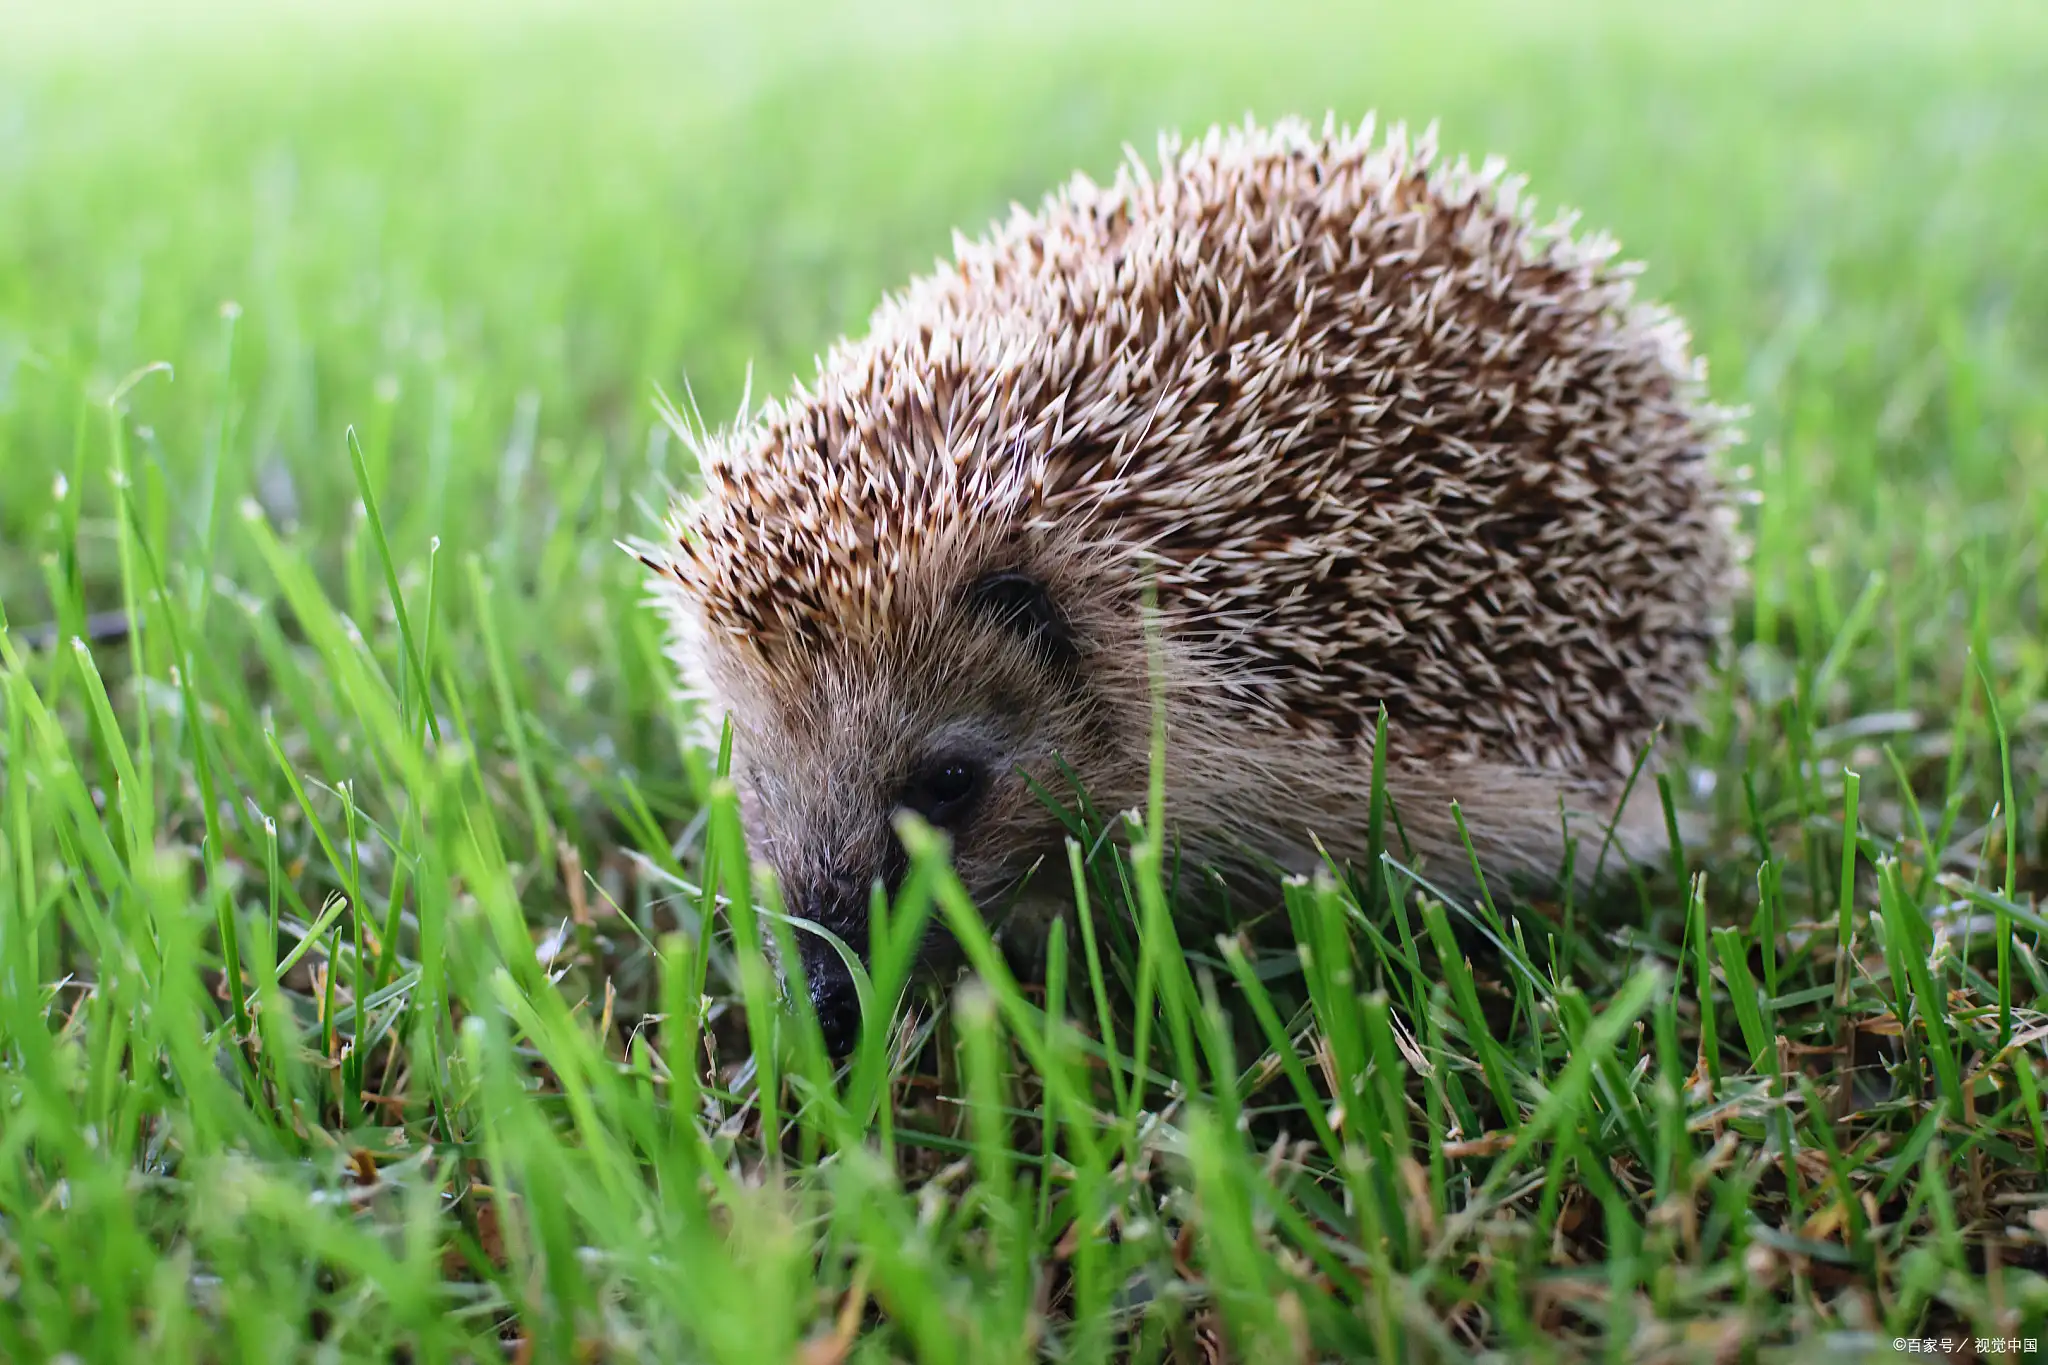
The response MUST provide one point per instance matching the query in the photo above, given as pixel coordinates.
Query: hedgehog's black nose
(835, 1002)
(836, 902)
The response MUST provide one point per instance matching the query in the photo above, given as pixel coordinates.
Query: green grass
(503, 1071)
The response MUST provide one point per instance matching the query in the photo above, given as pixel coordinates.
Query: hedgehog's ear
(1023, 605)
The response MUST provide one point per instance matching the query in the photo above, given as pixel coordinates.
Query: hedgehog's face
(965, 718)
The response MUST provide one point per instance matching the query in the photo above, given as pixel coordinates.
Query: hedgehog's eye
(944, 791)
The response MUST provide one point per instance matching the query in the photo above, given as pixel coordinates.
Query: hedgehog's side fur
(1371, 434)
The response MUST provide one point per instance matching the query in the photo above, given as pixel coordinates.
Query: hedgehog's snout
(833, 1000)
(838, 904)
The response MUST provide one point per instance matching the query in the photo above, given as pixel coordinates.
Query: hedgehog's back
(1378, 436)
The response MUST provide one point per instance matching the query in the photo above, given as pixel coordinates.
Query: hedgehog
(1282, 434)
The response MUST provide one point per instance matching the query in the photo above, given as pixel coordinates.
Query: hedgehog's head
(950, 684)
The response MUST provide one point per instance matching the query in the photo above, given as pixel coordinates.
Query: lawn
(379, 975)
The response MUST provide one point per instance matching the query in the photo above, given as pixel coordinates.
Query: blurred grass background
(578, 203)
(485, 236)
(476, 228)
